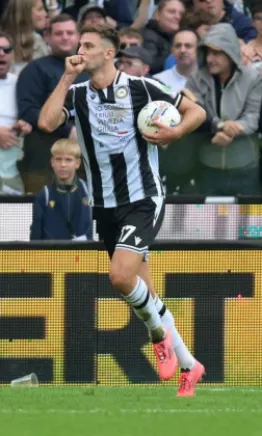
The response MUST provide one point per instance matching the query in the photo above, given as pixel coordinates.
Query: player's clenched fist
(75, 65)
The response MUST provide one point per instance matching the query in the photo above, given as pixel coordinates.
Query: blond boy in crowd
(61, 208)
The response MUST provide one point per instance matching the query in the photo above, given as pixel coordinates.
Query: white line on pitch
(128, 411)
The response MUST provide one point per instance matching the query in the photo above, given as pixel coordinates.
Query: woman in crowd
(25, 21)
(159, 31)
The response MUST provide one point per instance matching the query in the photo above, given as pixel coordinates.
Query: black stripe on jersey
(110, 95)
(139, 99)
(118, 78)
(82, 111)
(68, 105)
(156, 93)
(119, 170)
(110, 98)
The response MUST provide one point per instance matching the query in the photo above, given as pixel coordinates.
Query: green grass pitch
(129, 411)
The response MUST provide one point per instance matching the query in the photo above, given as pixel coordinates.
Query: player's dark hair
(105, 32)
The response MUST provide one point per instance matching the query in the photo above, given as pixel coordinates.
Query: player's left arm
(192, 115)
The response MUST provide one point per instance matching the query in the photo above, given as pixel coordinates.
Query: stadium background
(61, 319)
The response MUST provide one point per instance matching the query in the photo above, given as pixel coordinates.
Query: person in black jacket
(35, 83)
(61, 208)
(158, 33)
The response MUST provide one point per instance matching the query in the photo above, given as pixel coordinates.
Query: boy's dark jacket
(61, 212)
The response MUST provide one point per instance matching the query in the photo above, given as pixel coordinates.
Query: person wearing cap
(134, 61)
(92, 16)
(120, 13)
(231, 95)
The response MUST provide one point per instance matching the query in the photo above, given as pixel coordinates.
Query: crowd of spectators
(210, 50)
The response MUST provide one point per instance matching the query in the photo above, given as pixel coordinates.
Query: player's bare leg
(124, 276)
(191, 370)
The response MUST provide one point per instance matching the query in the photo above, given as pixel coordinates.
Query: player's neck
(103, 78)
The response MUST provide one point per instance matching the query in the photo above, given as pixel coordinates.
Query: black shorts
(132, 226)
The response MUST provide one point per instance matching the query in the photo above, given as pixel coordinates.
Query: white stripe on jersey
(121, 167)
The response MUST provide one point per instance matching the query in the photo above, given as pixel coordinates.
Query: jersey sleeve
(68, 108)
(158, 91)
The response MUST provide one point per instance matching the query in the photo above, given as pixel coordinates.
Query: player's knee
(118, 277)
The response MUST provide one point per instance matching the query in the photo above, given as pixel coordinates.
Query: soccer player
(122, 173)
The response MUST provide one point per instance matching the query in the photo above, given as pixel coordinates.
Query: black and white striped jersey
(121, 166)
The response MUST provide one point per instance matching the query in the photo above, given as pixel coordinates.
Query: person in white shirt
(11, 129)
(184, 49)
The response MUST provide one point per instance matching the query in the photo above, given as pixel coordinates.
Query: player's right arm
(52, 114)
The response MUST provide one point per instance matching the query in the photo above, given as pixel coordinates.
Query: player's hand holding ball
(74, 65)
(157, 123)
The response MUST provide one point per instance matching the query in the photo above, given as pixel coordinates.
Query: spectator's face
(257, 22)
(6, 57)
(218, 63)
(64, 38)
(128, 41)
(212, 7)
(132, 66)
(94, 18)
(65, 166)
(39, 15)
(95, 51)
(185, 48)
(170, 16)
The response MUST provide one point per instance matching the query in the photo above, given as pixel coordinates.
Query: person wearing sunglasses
(11, 129)
(129, 37)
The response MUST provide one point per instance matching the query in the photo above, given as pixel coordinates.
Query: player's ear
(109, 53)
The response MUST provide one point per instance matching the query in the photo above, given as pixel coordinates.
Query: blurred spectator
(53, 8)
(184, 49)
(92, 16)
(256, 44)
(3, 4)
(221, 11)
(129, 37)
(36, 82)
(120, 13)
(61, 209)
(159, 32)
(192, 20)
(10, 128)
(134, 61)
(21, 19)
(231, 95)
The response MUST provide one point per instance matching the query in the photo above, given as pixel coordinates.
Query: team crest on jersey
(85, 201)
(121, 92)
(51, 204)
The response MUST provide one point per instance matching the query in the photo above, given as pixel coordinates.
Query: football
(161, 111)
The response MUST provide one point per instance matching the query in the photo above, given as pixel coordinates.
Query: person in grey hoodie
(231, 95)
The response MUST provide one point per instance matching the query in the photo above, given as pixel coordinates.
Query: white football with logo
(161, 111)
